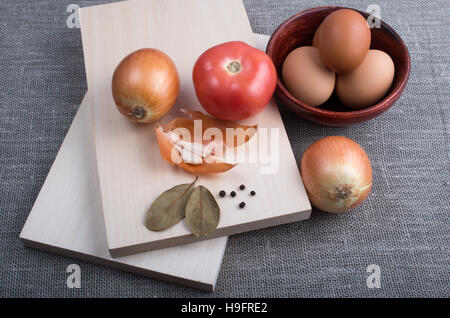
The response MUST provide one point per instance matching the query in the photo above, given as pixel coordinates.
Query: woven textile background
(404, 226)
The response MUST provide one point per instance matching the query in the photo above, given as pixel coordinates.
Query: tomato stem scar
(234, 67)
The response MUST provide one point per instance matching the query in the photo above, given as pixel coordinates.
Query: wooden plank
(132, 173)
(67, 219)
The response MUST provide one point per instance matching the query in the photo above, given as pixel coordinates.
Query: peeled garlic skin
(337, 174)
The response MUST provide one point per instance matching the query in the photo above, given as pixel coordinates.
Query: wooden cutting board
(67, 218)
(131, 170)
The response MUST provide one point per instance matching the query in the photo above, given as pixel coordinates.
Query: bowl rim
(380, 106)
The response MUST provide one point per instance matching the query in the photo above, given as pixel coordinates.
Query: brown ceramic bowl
(299, 30)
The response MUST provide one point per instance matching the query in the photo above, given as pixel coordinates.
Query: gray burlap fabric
(403, 226)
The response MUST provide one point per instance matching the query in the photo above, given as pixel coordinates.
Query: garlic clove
(206, 156)
(189, 156)
(166, 146)
(210, 148)
(193, 147)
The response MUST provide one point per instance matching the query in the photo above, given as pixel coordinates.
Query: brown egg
(306, 76)
(315, 41)
(366, 85)
(344, 40)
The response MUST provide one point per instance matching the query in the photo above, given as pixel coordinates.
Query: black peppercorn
(252, 193)
(233, 194)
(242, 187)
(222, 193)
(241, 205)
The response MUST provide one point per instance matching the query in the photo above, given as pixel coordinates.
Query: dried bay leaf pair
(197, 204)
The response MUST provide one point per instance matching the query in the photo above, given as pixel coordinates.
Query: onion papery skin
(145, 85)
(337, 174)
(172, 145)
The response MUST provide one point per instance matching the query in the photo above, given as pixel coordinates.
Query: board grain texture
(67, 219)
(131, 171)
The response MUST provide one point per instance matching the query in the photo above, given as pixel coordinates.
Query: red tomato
(234, 81)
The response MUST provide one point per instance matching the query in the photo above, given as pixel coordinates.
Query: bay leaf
(169, 208)
(202, 212)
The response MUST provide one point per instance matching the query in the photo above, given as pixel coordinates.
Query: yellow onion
(145, 85)
(337, 174)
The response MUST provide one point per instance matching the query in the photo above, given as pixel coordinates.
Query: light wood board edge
(120, 266)
(220, 232)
